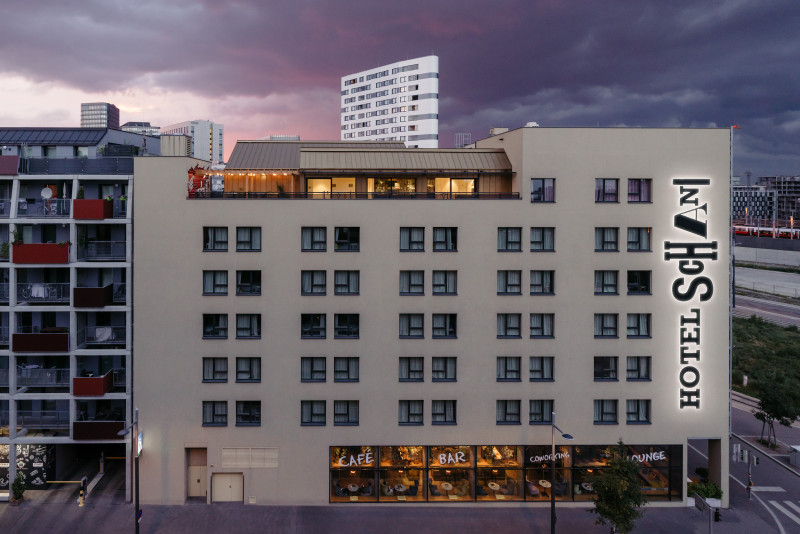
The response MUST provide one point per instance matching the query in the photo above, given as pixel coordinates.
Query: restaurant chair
(509, 488)
(434, 489)
(412, 490)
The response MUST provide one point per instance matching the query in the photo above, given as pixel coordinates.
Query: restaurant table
(546, 485)
(586, 486)
(446, 486)
(353, 488)
(494, 486)
(400, 488)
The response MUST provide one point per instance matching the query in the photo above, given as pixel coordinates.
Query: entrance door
(227, 487)
(197, 481)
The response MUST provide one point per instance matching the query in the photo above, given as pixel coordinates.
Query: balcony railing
(3, 336)
(41, 253)
(103, 251)
(50, 339)
(3, 377)
(92, 297)
(43, 419)
(4, 292)
(120, 293)
(101, 335)
(92, 209)
(91, 430)
(5, 208)
(36, 376)
(48, 292)
(122, 165)
(48, 208)
(119, 379)
(92, 386)
(120, 208)
(361, 196)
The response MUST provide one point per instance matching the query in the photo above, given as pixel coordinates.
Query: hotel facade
(347, 323)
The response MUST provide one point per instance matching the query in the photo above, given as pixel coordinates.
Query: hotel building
(346, 323)
(395, 102)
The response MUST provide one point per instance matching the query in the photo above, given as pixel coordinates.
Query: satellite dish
(47, 193)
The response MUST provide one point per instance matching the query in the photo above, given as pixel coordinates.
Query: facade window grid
(443, 369)
(445, 282)
(215, 413)
(345, 369)
(605, 325)
(543, 239)
(215, 369)
(248, 413)
(345, 412)
(312, 369)
(346, 282)
(412, 239)
(248, 369)
(637, 411)
(410, 412)
(412, 282)
(606, 190)
(639, 239)
(412, 369)
(313, 283)
(248, 282)
(312, 413)
(248, 238)
(541, 412)
(640, 190)
(215, 282)
(508, 412)
(443, 412)
(638, 325)
(605, 282)
(444, 325)
(541, 368)
(508, 368)
(509, 239)
(606, 239)
(543, 190)
(605, 368)
(542, 325)
(605, 411)
(638, 368)
(509, 282)
(509, 325)
(542, 282)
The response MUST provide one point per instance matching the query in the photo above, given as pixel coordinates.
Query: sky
(274, 67)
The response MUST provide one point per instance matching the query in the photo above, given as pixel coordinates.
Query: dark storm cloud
(502, 63)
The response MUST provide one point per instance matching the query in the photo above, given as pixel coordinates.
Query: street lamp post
(134, 451)
(553, 429)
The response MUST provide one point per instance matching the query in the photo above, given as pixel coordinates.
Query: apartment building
(394, 102)
(208, 142)
(65, 309)
(99, 115)
(340, 324)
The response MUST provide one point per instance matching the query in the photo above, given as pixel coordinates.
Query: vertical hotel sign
(691, 253)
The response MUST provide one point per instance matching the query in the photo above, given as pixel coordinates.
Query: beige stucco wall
(169, 304)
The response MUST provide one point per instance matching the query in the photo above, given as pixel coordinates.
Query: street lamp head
(124, 432)
(567, 437)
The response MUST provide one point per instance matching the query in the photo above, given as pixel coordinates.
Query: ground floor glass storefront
(492, 472)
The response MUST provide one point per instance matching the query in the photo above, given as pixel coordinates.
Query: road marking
(793, 506)
(767, 488)
(789, 514)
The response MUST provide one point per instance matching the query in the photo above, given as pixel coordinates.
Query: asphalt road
(770, 310)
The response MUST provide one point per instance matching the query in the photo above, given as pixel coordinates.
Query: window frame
(223, 414)
(506, 330)
(636, 190)
(254, 331)
(308, 279)
(350, 412)
(508, 412)
(606, 369)
(543, 369)
(544, 410)
(212, 378)
(349, 327)
(644, 322)
(640, 287)
(255, 286)
(504, 284)
(248, 410)
(253, 371)
(450, 328)
(607, 416)
(347, 238)
(252, 242)
(641, 375)
(213, 242)
(544, 333)
(602, 241)
(310, 416)
(602, 286)
(410, 329)
(545, 232)
(447, 371)
(606, 327)
(410, 275)
(217, 288)
(602, 191)
(635, 415)
(344, 288)
(415, 369)
(219, 327)
(413, 244)
(350, 370)
(313, 369)
(544, 283)
(506, 371)
(320, 327)
(413, 414)
(539, 190)
(316, 243)
(448, 242)
(439, 416)
(505, 241)
(443, 287)
(634, 242)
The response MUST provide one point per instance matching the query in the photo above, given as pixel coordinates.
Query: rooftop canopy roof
(285, 155)
(404, 159)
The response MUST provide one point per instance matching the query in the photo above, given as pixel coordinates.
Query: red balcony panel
(93, 297)
(40, 253)
(41, 342)
(91, 430)
(92, 386)
(93, 209)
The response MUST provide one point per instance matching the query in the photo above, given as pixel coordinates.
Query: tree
(618, 495)
(778, 403)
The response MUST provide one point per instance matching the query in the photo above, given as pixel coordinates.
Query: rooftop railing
(121, 165)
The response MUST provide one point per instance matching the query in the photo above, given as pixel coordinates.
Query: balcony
(5, 208)
(4, 293)
(96, 430)
(4, 377)
(122, 165)
(59, 208)
(44, 253)
(120, 208)
(99, 419)
(4, 419)
(43, 293)
(4, 337)
(93, 386)
(101, 336)
(93, 297)
(93, 209)
(47, 420)
(102, 251)
(49, 339)
(120, 293)
(32, 375)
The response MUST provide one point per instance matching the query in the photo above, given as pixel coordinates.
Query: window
(543, 239)
(444, 282)
(248, 325)
(508, 368)
(412, 239)
(443, 369)
(605, 239)
(444, 325)
(409, 412)
(639, 189)
(412, 369)
(215, 413)
(445, 239)
(248, 369)
(509, 325)
(312, 413)
(347, 238)
(638, 411)
(313, 239)
(412, 282)
(638, 368)
(215, 369)
(345, 325)
(543, 190)
(638, 325)
(312, 325)
(248, 238)
(248, 282)
(313, 283)
(605, 325)
(215, 282)
(312, 369)
(509, 282)
(345, 412)
(541, 412)
(605, 412)
(507, 412)
(443, 412)
(541, 368)
(638, 239)
(542, 325)
(605, 190)
(345, 369)
(215, 325)
(215, 238)
(605, 368)
(411, 325)
(542, 282)
(638, 282)
(345, 282)
(605, 282)
(509, 239)
(248, 413)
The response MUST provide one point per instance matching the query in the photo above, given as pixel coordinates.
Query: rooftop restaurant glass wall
(492, 472)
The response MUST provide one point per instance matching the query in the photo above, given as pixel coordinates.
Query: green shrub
(18, 487)
(707, 490)
(738, 377)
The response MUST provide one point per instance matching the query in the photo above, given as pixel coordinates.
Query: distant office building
(280, 137)
(462, 139)
(207, 138)
(99, 115)
(753, 203)
(176, 145)
(143, 128)
(787, 190)
(394, 102)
